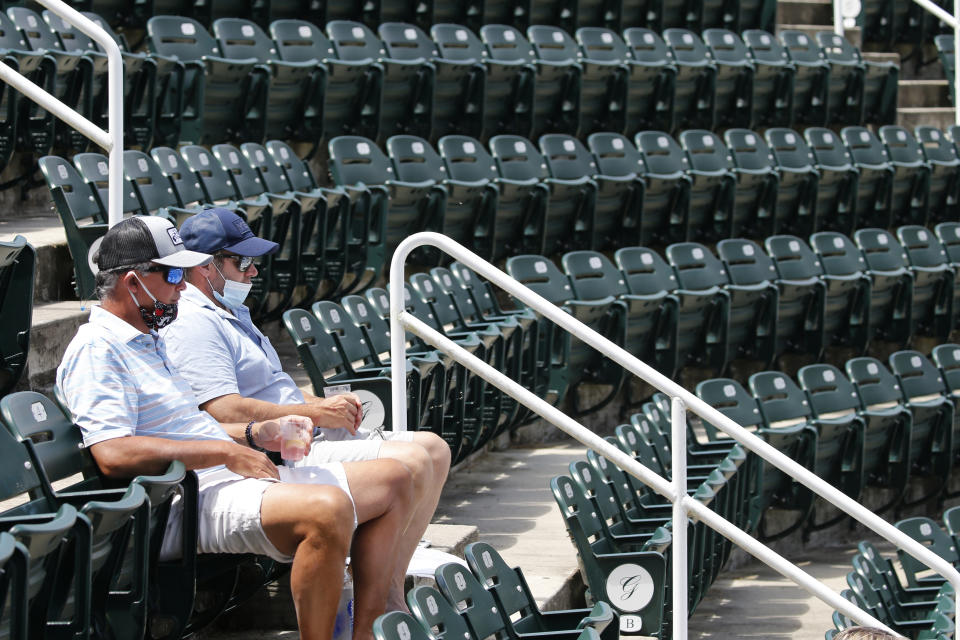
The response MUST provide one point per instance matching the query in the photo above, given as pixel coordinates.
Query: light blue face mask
(234, 293)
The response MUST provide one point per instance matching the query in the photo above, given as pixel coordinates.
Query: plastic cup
(292, 445)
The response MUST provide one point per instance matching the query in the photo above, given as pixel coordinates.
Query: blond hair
(863, 633)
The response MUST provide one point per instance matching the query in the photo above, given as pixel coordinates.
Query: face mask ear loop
(144, 288)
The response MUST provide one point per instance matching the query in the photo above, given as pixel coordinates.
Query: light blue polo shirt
(219, 353)
(120, 382)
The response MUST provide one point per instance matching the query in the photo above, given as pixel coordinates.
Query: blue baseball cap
(219, 229)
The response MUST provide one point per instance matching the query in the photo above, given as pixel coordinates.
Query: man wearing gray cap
(137, 415)
(236, 373)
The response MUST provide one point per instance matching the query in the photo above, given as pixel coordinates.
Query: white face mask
(234, 293)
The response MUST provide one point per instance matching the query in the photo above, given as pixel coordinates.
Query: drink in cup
(292, 444)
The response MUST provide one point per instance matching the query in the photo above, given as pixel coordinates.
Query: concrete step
(54, 325)
(923, 93)
(881, 56)
(910, 117)
(44, 231)
(804, 12)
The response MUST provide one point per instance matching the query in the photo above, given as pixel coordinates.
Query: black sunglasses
(243, 262)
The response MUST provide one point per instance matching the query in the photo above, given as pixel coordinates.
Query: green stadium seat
(568, 215)
(910, 198)
(186, 184)
(884, 566)
(947, 358)
(73, 84)
(884, 432)
(18, 265)
(896, 602)
(26, 126)
(875, 181)
(667, 198)
(605, 80)
(751, 308)
(929, 533)
(838, 188)
(773, 79)
(798, 187)
(846, 98)
(695, 98)
(14, 561)
(406, 93)
(758, 182)
(651, 87)
(399, 625)
(802, 304)
(619, 166)
(154, 189)
(934, 282)
(434, 611)
(94, 169)
(457, 84)
(735, 78)
(294, 102)
(847, 305)
(712, 184)
(891, 295)
(811, 80)
(351, 88)
(512, 217)
(553, 47)
(941, 156)
(223, 100)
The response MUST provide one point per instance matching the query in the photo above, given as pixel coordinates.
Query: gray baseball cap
(143, 239)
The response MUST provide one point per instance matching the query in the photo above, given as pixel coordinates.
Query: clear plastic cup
(292, 445)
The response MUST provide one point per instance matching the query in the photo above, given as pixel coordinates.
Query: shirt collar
(116, 325)
(196, 296)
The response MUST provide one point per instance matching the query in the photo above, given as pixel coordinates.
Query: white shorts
(229, 506)
(331, 446)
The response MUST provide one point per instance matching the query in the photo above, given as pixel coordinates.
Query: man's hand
(343, 411)
(249, 463)
(269, 433)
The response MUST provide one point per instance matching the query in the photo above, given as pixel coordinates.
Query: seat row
(567, 14)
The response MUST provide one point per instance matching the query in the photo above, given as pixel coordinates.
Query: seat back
(517, 158)
(181, 38)
(592, 275)
(749, 150)
(782, 402)
(696, 267)
(474, 602)
(153, 187)
(746, 262)
(922, 246)
(793, 258)
(837, 253)
(272, 175)
(878, 388)
(398, 625)
(435, 612)
(645, 271)
(602, 45)
(355, 160)
(458, 43)
(354, 41)
(506, 43)
(947, 359)
(553, 44)
(239, 38)
(467, 159)
(731, 399)
(687, 47)
(244, 176)
(831, 393)
(764, 48)
(415, 159)
(300, 41)
(881, 250)
(789, 149)
(865, 148)
(726, 47)
(919, 378)
(347, 334)
(216, 181)
(661, 153)
(828, 148)
(542, 276)
(404, 41)
(566, 157)
(504, 582)
(94, 168)
(706, 151)
(615, 155)
(647, 47)
(901, 146)
(18, 265)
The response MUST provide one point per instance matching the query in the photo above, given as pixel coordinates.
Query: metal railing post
(678, 467)
(838, 17)
(398, 341)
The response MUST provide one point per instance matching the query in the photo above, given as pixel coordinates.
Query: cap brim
(253, 247)
(184, 259)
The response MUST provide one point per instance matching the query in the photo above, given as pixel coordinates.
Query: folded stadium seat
(847, 72)
(797, 441)
(186, 184)
(222, 96)
(13, 563)
(947, 358)
(847, 305)
(573, 362)
(651, 87)
(95, 170)
(948, 233)
(25, 125)
(773, 78)
(139, 79)
(294, 103)
(758, 182)
(514, 207)
(651, 330)
(911, 176)
(447, 408)
(666, 202)
(735, 78)
(556, 82)
(602, 90)
(875, 181)
(934, 282)
(891, 294)
(468, 208)
(154, 189)
(568, 218)
(811, 87)
(457, 84)
(799, 179)
(394, 625)
(905, 602)
(351, 88)
(919, 387)
(883, 433)
(432, 610)
(695, 96)
(802, 304)
(406, 95)
(74, 81)
(616, 207)
(18, 266)
(839, 438)
(751, 308)
(701, 316)
(404, 207)
(506, 89)
(931, 535)
(885, 567)
(837, 190)
(712, 185)
(83, 218)
(615, 158)
(941, 156)
(200, 166)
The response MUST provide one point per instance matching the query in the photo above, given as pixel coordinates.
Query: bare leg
(382, 493)
(314, 524)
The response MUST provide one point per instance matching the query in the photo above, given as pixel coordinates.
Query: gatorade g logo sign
(174, 236)
(629, 587)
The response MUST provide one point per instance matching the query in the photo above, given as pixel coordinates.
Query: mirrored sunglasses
(243, 262)
(173, 275)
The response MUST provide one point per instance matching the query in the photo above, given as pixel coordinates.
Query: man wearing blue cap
(236, 374)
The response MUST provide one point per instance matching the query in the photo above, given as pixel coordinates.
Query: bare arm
(338, 412)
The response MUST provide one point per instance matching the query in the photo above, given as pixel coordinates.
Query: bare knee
(438, 451)
(400, 483)
(328, 518)
(416, 459)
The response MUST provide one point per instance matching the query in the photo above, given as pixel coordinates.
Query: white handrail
(111, 141)
(401, 321)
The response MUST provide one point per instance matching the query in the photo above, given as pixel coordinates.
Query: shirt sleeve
(100, 392)
(203, 355)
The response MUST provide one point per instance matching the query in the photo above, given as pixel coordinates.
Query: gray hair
(863, 633)
(106, 281)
